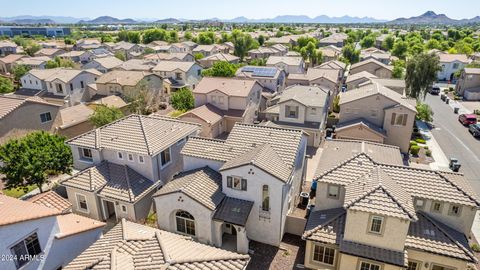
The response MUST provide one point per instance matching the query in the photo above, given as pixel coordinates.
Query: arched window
(185, 222)
(265, 199)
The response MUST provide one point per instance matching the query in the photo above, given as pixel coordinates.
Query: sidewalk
(441, 160)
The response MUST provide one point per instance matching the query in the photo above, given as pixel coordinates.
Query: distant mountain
(431, 17)
(306, 19)
(27, 19)
(108, 20)
(168, 20)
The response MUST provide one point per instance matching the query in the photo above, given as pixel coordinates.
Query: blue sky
(201, 9)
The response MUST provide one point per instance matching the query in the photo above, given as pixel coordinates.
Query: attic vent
(323, 216)
(360, 162)
(429, 232)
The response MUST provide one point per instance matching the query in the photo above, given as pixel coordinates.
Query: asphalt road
(455, 140)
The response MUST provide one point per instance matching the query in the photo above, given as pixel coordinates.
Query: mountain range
(428, 17)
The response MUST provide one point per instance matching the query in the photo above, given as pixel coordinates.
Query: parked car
(467, 119)
(475, 130)
(435, 90)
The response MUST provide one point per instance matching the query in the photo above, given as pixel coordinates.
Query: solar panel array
(260, 71)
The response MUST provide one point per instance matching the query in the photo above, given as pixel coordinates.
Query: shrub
(425, 147)
(450, 89)
(428, 153)
(477, 112)
(420, 140)
(414, 149)
(476, 247)
(412, 143)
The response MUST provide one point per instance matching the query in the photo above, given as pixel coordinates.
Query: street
(455, 140)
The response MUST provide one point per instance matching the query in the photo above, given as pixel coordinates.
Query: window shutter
(404, 123)
(244, 184)
(229, 181)
(392, 122)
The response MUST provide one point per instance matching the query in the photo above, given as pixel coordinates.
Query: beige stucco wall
(322, 201)
(348, 262)
(466, 82)
(374, 69)
(399, 135)
(76, 130)
(424, 257)
(208, 130)
(93, 203)
(301, 112)
(311, 264)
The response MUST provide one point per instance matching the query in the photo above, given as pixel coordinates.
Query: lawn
(17, 193)
(175, 113)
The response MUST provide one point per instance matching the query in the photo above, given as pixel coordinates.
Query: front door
(109, 208)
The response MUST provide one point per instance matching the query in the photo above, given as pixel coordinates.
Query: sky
(227, 9)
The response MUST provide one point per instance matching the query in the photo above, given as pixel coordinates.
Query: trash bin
(454, 164)
(443, 97)
(456, 109)
(309, 209)
(304, 196)
(447, 100)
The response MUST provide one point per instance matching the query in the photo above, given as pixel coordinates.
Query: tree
(336, 104)
(188, 35)
(400, 49)
(258, 62)
(59, 62)
(106, 38)
(367, 41)
(309, 52)
(32, 49)
(182, 100)
(421, 73)
(198, 56)
(261, 40)
(154, 35)
(19, 70)
(221, 69)
(398, 69)
(424, 112)
(242, 43)
(120, 55)
(388, 42)
(6, 85)
(350, 55)
(104, 115)
(142, 99)
(29, 160)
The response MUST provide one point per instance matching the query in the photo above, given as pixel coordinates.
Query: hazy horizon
(204, 9)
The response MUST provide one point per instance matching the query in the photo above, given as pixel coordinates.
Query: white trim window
(237, 182)
(323, 255)
(24, 250)
(141, 159)
(165, 157)
(185, 222)
(413, 265)
(120, 155)
(130, 157)
(82, 202)
(333, 192)
(376, 224)
(86, 154)
(45, 117)
(399, 119)
(369, 266)
(123, 208)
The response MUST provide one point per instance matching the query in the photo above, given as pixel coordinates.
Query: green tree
(400, 49)
(421, 73)
(6, 85)
(258, 62)
(198, 56)
(388, 42)
(32, 49)
(367, 41)
(59, 62)
(29, 160)
(142, 99)
(350, 55)
(106, 38)
(182, 100)
(398, 69)
(19, 70)
(188, 35)
(105, 115)
(261, 40)
(154, 35)
(433, 44)
(221, 69)
(242, 43)
(120, 55)
(424, 112)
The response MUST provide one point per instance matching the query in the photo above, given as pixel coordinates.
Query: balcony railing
(263, 213)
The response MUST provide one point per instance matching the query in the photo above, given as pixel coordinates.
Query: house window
(24, 250)
(291, 111)
(86, 154)
(376, 224)
(313, 111)
(236, 182)
(436, 207)
(119, 155)
(185, 222)
(178, 76)
(59, 88)
(454, 210)
(214, 99)
(419, 203)
(369, 266)
(220, 100)
(455, 65)
(82, 202)
(123, 208)
(45, 117)
(333, 191)
(324, 255)
(141, 159)
(412, 266)
(399, 119)
(265, 198)
(130, 157)
(165, 157)
(71, 86)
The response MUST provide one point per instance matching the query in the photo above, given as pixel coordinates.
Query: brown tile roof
(112, 181)
(173, 65)
(123, 77)
(75, 114)
(333, 64)
(51, 199)
(221, 57)
(325, 226)
(148, 135)
(317, 73)
(360, 75)
(9, 103)
(108, 62)
(14, 211)
(11, 58)
(133, 246)
(48, 51)
(368, 61)
(207, 113)
(203, 185)
(288, 60)
(310, 96)
(71, 224)
(447, 58)
(229, 86)
(167, 56)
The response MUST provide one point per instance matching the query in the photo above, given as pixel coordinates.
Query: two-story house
(39, 235)
(207, 50)
(373, 67)
(326, 77)
(103, 64)
(372, 212)
(123, 163)
(301, 107)
(265, 52)
(82, 57)
(8, 62)
(238, 99)
(8, 47)
(451, 63)
(208, 61)
(37, 62)
(235, 190)
(468, 85)
(178, 57)
(376, 113)
(179, 73)
(130, 50)
(128, 83)
(290, 64)
(271, 78)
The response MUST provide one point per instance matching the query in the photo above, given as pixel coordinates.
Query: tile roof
(11, 58)
(368, 61)
(9, 103)
(203, 185)
(167, 56)
(333, 64)
(229, 86)
(315, 74)
(113, 181)
(51, 199)
(133, 246)
(221, 57)
(233, 211)
(140, 134)
(289, 60)
(446, 58)
(361, 122)
(71, 224)
(173, 65)
(14, 211)
(75, 114)
(137, 65)
(123, 77)
(62, 74)
(374, 253)
(108, 62)
(310, 96)
(325, 226)
(360, 75)
(207, 113)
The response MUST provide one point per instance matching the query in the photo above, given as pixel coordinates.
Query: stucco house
(235, 190)
(301, 107)
(207, 50)
(82, 57)
(37, 62)
(451, 63)
(123, 163)
(265, 52)
(130, 50)
(103, 64)
(330, 52)
(179, 74)
(8, 47)
(124, 83)
(7, 62)
(376, 113)
(374, 67)
(377, 54)
(208, 61)
(42, 234)
(328, 78)
(133, 246)
(211, 118)
(271, 78)
(372, 212)
(290, 64)
(334, 64)
(354, 80)
(238, 99)
(49, 52)
(157, 57)
(336, 39)
(468, 85)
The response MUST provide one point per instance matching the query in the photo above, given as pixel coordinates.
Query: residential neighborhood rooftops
(123, 77)
(108, 62)
(134, 246)
(14, 210)
(311, 96)
(371, 60)
(332, 64)
(207, 113)
(174, 65)
(447, 58)
(51, 199)
(288, 60)
(71, 224)
(140, 134)
(221, 57)
(229, 86)
(62, 74)
(166, 56)
(317, 73)
(9, 103)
